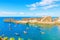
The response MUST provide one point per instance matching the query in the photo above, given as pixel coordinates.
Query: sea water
(27, 32)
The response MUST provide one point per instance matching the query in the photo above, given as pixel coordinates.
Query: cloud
(50, 6)
(44, 3)
(32, 8)
(8, 14)
(46, 14)
(47, 2)
(23, 14)
(16, 14)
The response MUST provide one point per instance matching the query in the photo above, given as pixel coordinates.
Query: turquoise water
(32, 32)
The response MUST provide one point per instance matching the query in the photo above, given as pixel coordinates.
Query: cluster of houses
(44, 20)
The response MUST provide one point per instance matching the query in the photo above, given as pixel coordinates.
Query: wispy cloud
(50, 6)
(44, 4)
(15, 14)
(23, 14)
(5, 13)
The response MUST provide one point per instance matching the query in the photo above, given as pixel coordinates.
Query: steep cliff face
(47, 19)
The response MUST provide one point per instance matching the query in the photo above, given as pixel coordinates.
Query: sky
(29, 8)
